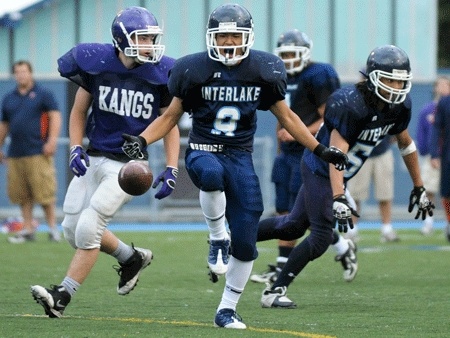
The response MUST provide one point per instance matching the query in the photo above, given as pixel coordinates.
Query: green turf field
(402, 290)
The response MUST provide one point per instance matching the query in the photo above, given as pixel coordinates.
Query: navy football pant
(231, 171)
(313, 209)
(287, 177)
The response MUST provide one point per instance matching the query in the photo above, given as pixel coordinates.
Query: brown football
(135, 178)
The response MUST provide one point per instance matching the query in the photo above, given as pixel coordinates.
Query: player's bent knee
(318, 250)
(319, 245)
(212, 180)
(244, 251)
(90, 228)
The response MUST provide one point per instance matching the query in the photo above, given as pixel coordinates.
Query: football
(135, 178)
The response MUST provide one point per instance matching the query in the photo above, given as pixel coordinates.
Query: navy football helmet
(392, 63)
(131, 23)
(297, 42)
(229, 18)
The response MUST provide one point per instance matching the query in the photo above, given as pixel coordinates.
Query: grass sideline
(401, 290)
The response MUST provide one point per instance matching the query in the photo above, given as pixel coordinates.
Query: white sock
(213, 205)
(341, 245)
(236, 279)
(386, 228)
(70, 284)
(123, 252)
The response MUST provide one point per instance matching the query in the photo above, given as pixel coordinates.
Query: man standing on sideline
(31, 118)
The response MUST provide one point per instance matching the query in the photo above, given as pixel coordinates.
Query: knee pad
(205, 171)
(89, 230)
(212, 179)
(69, 225)
(243, 250)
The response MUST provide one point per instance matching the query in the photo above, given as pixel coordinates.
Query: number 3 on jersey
(226, 121)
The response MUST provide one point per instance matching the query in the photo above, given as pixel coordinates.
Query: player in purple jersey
(356, 119)
(125, 86)
(309, 84)
(222, 88)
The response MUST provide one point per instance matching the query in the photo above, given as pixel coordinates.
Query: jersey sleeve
(177, 87)
(327, 81)
(69, 68)
(273, 73)
(165, 97)
(342, 117)
(184, 76)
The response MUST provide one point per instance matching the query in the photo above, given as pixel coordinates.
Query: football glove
(133, 146)
(342, 212)
(168, 177)
(425, 206)
(78, 160)
(332, 155)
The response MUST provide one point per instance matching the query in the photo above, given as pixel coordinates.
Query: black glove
(133, 146)
(418, 196)
(342, 212)
(332, 155)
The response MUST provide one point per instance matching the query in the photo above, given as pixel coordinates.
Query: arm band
(408, 150)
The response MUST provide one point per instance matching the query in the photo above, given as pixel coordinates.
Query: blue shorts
(231, 171)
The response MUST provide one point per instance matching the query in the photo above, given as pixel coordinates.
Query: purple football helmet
(135, 30)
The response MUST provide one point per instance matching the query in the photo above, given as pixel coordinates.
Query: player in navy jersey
(309, 84)
(222, 88)
(125, 85)
(356, 119)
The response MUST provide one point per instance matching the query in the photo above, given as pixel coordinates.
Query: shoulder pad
(96, 58)
(271, 67)
(195, 66)
(91, 58)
